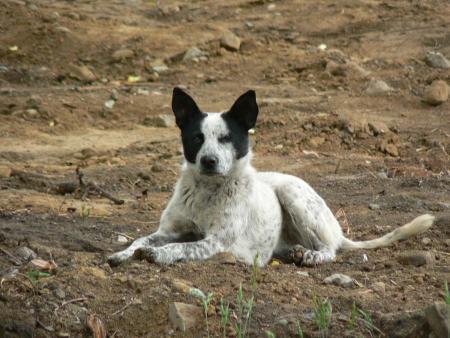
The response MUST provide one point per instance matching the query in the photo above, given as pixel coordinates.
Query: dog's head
(215, 143)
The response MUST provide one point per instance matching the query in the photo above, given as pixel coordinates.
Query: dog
(222, 204)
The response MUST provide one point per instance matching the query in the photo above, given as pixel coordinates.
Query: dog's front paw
(149, 254)
(116, 259)
(312, 258)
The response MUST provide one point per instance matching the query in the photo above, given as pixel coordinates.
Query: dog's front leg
(175, 252)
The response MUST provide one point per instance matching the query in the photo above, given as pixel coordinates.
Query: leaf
(133, 79)
(43, 265)
(96, 325)
(35, 275)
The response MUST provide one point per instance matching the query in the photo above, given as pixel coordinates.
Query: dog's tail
(416, 226)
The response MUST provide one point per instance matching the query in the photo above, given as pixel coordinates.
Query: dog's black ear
(245, 110)
(184, 107)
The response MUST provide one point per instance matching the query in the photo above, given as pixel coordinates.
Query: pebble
(109, 104)
(122, 239)
(378, 87)
(63, 29)
(378, 287)
(230, 41)
(81, 73)
(436, 93)
(437, 60)
(193, 54)
(438, 318)
(159, 66)
(378, 127)
(59, 293)
(26, 254)
(161, 121)
(122, 54)
(184, 316)
(374, 206)
(416, 258)
(5, 171)
(426, 241)
(339, 280)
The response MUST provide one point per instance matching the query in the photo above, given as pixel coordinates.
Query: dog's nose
(209, 162)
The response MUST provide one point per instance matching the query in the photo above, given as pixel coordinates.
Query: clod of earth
(378, 87)
(436, 93)
(416, 258)
(184, 316)
(438, 317)
(340, 280)
(230, 41)
(437, 60)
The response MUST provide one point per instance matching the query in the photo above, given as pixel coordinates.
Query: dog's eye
(225, 139)
(199, 138)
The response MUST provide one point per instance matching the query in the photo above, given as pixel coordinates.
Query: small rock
(447, 242)
(438, 317)
(5, 172)
(416, 258)
(378, 287)
(378, 87)
(73, 16)
(193, 54)
(181, 285)
(59, 293)
(303, 273)
(26, 254)
(142, 91)
(426, 241)
(339, 280)
(122, 239)
(159, 66)
(283, 322)
(109, 104)
(436, 93)
(230, 41)
(31, 112)
(184, 316)
(374, 206)
(382, 175)
(316, 141)
(81, 73)
(63, 29)
(122, 54)
(223, 258)
(161, 120)
(378, 127)
(157, 168)
(437, 60)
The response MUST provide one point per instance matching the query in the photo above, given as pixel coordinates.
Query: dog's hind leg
(310, 230)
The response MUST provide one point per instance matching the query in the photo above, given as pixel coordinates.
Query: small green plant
(205, 302)
(224, 316)
(353, 317)
(270, 334)
(322, 315)
(245, 306)
(299, 329)
(85, 211)
(446, 293)
(35, 275)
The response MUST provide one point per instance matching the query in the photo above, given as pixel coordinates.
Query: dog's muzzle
(209, 165)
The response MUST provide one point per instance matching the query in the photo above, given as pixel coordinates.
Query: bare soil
(317, 121)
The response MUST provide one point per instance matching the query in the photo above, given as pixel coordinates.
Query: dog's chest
(207, 205)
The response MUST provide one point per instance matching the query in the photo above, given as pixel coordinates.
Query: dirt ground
(82, 84)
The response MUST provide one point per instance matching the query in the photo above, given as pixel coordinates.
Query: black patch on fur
(240, 119)
(192, 137)
(238, 136)
(189, 119)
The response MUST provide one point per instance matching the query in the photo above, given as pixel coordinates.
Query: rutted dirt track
(83, 84)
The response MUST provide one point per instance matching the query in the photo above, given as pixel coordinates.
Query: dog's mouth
(206, 172)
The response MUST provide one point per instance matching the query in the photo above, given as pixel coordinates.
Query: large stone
(122, 54)
(436, 93)
(161, 121)
(438, 317)
(25, 253)
(416, 258)
(378, 87)
(184, 316)
(339, 280)
(437, 60)
(230, 41)
(81, 73)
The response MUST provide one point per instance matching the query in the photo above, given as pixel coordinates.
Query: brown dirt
(306, 105)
